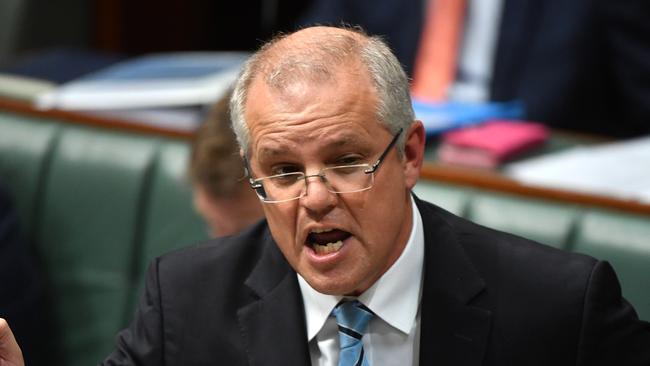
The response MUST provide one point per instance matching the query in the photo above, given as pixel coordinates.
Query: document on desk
(446, 116)
(620, 170)
(150, 81)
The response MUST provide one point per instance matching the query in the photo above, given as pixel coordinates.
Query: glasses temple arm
(247, 174)
(377, 163)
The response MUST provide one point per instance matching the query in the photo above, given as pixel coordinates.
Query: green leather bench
(549, 223)
(99, 204)
(622, 239)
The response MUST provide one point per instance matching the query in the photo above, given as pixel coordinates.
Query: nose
(318, 200)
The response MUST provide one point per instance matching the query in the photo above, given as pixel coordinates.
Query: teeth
(318, 231)
(328, 248)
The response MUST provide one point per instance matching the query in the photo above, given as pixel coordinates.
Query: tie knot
(352, 318)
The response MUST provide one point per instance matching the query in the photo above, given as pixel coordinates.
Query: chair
(545, 222)
(170, 220)
(451, 198)
(91, 207)
(25, 147)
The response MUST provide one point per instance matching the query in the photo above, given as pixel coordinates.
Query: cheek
(376, 209)
(282, 222)
(382, 214)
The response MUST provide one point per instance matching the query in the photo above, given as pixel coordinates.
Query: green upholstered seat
(25, 145)
(545, 222)
(87, 238)
(452, 198)
(624, 241)
(170, 221)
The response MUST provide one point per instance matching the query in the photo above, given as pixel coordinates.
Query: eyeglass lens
(340, 179)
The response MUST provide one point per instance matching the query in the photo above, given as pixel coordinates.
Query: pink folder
(491, 143)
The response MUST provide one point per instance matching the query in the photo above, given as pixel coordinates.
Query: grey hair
(316, 61)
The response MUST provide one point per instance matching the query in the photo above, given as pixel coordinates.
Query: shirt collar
(394, 297)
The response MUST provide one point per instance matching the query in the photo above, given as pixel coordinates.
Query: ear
(414, 153)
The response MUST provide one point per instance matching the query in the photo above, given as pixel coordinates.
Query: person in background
(221, 194)
(582, 65)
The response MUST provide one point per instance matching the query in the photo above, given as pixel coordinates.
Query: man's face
(307, 128)
(227, 215)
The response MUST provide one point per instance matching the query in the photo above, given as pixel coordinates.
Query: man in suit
(582, 65)
(324, 122)
(226, 202)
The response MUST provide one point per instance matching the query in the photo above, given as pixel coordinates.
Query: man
(324, 122)
(221, 197)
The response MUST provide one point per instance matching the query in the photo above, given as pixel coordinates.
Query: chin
(334, 287)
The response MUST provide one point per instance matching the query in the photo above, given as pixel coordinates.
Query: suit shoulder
(487, 248)
(228, 255)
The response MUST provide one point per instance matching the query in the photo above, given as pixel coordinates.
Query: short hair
(215, 163)
(318, 59)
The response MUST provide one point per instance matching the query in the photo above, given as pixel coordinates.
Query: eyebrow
(336, 142)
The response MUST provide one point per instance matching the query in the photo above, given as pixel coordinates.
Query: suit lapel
(273, 325)
(453, 331)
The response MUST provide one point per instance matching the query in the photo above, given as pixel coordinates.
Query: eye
(285, 169)
(350, 160)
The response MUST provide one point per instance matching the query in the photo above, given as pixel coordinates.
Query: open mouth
(327, 241)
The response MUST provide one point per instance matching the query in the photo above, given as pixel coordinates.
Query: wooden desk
(432, 170)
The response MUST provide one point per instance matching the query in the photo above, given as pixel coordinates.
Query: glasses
(337, 179)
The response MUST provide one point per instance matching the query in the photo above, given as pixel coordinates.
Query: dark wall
(135, 27)
(131, 28)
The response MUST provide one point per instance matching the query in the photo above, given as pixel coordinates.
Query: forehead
(335, 141)
(339, 111)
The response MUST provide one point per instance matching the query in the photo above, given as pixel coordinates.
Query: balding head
(309, 55)
(315, 55)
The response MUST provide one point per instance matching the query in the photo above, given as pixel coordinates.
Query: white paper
(620, 170)
(162, 80)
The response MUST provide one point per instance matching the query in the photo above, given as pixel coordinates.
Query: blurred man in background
(221, 194)
(582, 65)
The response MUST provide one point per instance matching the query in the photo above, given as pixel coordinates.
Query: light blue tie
(352, 318)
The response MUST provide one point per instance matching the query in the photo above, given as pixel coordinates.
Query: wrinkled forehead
(312, 74)
(342, 95)
(316, 121)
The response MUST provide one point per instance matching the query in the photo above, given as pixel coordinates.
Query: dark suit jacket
(489, 298)
(579, 64)
(21, 295)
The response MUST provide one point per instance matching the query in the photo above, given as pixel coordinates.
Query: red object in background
(490, 144)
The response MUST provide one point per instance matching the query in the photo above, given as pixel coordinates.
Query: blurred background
(130, 28)
(543, 131)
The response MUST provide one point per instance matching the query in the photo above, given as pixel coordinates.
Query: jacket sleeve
(611, 333)
(142, 342)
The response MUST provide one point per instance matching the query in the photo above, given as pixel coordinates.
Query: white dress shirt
(393, 335)
(477, 51)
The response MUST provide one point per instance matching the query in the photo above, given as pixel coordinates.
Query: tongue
(328, 237)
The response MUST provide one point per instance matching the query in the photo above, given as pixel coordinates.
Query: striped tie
(352, 318)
